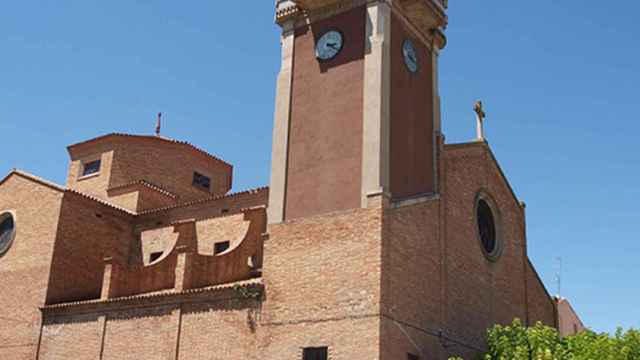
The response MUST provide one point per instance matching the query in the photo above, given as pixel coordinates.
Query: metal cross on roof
(480, 116)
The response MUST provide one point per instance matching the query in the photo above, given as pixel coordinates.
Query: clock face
(410, 56)
(329, 45)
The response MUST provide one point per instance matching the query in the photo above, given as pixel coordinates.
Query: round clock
(329, 45)
(410, 56)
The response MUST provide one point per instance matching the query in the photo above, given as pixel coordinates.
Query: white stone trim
(377, 91)
(282, 116)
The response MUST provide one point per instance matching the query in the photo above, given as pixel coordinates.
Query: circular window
(487, 229)
(7, 231)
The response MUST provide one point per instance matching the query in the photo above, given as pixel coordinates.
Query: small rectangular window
(92, 167)
(412, 357)
(155, 256)
(201, 181)
(316, 353)
(221, 247)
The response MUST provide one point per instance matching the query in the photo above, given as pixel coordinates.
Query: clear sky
(558, 78)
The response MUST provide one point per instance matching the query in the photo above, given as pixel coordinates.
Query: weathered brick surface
(539, 301)
(480, 292)
(88, 233)
(129, 158)
(148, 333)
(232, 204)
(376, 283)
(24, 268)
(346, 338)
(219, 330)
(439, 291)
(411, 108)
(72, 337)
(323, 267)
(325, 141)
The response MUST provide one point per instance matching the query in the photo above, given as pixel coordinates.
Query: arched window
(7, 231)
(488, 226)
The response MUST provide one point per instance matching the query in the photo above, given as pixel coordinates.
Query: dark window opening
(486, 227)
(221, 247)
(90, 168)
(155, 256)
(224, 211)
(201, 181)
(317, 353)
(7, 229)
(412, 357)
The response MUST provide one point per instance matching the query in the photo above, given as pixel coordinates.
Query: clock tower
(357, 108)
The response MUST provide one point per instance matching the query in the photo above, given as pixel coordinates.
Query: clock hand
(331, 45)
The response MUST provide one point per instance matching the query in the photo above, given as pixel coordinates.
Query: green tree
(517, 342)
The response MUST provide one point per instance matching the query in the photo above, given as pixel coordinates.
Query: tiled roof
(116, 207)
(100, 201)
(144, 183)
(155, 138)
(205, 200)
(34, 178)
(57, 187)
(160, 294)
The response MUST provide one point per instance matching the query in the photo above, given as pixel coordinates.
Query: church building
(375, 239)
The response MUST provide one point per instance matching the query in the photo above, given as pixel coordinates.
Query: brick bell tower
(357, 107)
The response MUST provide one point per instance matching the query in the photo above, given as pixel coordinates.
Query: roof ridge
(146, 183)
(153, 137)
(204, 200)
(60, 188)
(100, 201)
(158, 294)
(35, 178)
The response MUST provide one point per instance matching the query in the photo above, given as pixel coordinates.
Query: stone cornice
(426, 18)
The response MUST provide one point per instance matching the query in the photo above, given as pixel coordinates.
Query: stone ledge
(231, 291)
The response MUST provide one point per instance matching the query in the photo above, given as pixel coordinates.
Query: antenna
(159, 124)
(559, 276)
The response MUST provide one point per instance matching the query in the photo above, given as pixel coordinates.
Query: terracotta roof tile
(162, 293)
(144, 183)
(100, 201)
(204, 200)
(152, 137)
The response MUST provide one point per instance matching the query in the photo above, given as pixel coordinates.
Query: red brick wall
(219, 330)
(412, 138)
(205, 209)
(24, 268)
(147, 333)
(71, 337)
(540, 305)
(435, 276)
(480, 293)
(322, 280)
(325, 140)
(569, 322)
(88, 233)
(96, 184)
(168, 165)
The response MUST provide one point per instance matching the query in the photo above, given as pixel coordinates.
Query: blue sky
(559, 81)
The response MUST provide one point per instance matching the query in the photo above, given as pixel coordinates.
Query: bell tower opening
(357, 108)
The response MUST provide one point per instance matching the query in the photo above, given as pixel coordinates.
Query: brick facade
(398, 277)
(138, 262)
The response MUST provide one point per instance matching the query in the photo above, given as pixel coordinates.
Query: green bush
(517, 342)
